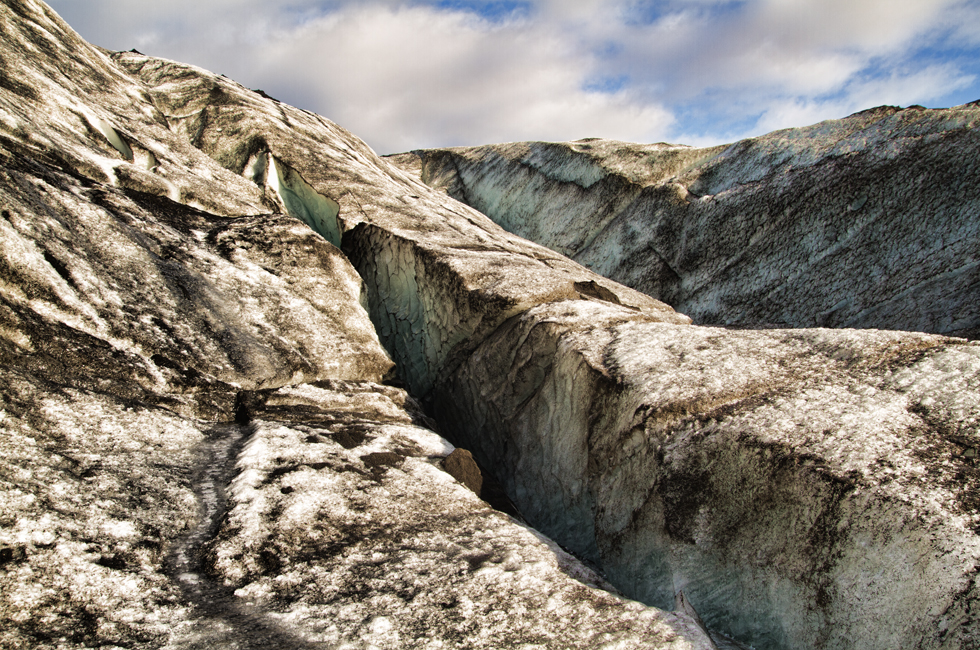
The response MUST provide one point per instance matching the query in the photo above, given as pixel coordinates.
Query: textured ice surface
(807, 488)
(817, 226)
(318, 511)
(233, 308)
(92, 489)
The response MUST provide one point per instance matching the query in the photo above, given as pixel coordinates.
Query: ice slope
(394, 228)
(867, 221)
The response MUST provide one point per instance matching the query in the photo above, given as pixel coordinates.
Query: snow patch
(119, 529)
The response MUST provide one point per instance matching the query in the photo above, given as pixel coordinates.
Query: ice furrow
(219, 619)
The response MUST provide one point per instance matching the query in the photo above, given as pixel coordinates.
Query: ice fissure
(581, 425)
(302, 201)
(112, 136)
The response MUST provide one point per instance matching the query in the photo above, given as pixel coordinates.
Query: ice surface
(103, 486)
(762, 472)
(828, 229)
(315, 515)
(88, 269)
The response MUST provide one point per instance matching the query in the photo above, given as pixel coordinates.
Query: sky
(411, 74)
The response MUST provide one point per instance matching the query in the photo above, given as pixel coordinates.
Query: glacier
(867, 221)
(237, 359)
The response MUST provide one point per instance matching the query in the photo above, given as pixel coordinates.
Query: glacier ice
(808, 488)
(809, 227)
(303, 202)
(764, 473)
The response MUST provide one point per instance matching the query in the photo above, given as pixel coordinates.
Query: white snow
(112, 136)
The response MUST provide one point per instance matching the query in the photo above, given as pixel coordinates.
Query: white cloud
(413, 77)
(805, 46)
(406, 74)
(896, 89)
(964, 21)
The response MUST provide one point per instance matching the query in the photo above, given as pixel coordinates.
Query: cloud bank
(413, 74)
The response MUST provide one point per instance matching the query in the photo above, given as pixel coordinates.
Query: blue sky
(412, 74)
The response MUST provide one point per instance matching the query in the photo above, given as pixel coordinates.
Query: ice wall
(817, 226)
(770, 475)
(410, 304)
